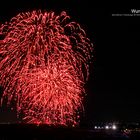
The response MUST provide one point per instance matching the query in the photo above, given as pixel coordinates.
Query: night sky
(113, 86)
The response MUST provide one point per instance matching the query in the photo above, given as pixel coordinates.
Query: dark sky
(113, 91)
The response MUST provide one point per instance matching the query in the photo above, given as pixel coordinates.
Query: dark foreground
(33, 132)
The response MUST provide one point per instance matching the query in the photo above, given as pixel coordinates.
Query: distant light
(107, 127)
(95, 127)
(98, 127)
(114, 127)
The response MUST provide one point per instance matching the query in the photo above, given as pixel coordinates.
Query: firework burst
(43, 66)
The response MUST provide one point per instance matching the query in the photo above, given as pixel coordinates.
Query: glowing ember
(43, 67)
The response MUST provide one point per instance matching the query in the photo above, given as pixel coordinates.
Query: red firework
(43, 60)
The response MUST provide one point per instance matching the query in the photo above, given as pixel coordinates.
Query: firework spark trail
(42, 57)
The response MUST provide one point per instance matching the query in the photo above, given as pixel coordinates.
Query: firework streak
(43, 67)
